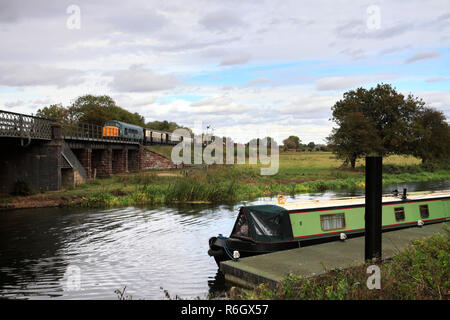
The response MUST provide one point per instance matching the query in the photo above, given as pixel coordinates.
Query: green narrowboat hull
(314, 222)
(307, 224)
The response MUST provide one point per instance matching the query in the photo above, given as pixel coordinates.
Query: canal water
(78, 253)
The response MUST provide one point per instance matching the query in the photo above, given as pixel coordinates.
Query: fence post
(373, 208)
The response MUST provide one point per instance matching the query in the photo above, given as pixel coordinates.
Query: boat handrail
(290, 202)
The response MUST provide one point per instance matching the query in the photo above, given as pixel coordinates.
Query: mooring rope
(227, 251)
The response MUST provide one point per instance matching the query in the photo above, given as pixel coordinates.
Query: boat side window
(399, 213)
(241, 227)
(424, 213)
(332, 221)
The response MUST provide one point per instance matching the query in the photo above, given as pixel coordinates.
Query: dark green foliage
(54, 112)
(381, 121)
(99, 109)
(431, 136)
(293, 142)
(165, 126)
(355, 137)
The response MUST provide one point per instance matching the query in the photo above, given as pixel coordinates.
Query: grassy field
(420, 272)
(298, 173)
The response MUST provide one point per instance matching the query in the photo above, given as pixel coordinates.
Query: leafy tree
(99, 109)
(166, 126)
(389, 112)
(292, 142)
(311, 146)
(354, 138)
(431, 136)
(55, 112)
(388, 115)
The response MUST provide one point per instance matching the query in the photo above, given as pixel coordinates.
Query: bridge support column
(133, 160)
(102, 162)
(120, 160)
(85, 158)
(30, 167)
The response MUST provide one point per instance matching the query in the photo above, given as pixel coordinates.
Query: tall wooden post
(373, 208)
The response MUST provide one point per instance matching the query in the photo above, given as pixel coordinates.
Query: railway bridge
(46, 155)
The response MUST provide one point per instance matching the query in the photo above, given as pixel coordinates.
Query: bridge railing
(89, 131)
(18, 125)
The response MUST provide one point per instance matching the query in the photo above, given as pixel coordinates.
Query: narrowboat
(286, 225)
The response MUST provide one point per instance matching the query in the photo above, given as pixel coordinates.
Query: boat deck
(322, 203)
(313, 260)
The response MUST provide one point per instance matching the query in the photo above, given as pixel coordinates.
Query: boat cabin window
(241, 226)
(263, 223)
(332, 221)
(424, 213)
(399, 213)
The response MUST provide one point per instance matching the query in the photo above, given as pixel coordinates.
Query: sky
(243, 68)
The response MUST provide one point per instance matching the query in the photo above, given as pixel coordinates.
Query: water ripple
(87, 254)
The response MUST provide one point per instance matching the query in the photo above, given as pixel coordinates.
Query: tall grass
(298, 173)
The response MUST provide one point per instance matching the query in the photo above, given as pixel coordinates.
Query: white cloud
(22, 75)
(138, 79)
(258, 81)
(437, 79)
(310, 107)
(221, 20)
(235, 60)
(423, 55)
(218, 106)
(275, 64)
(350, 82)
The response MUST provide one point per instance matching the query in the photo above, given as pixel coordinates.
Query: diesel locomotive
(122, 130)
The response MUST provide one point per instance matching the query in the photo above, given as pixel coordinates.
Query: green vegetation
(381, 121)
(292, 142)
(165, 126)
(298, 173)
(420, 272)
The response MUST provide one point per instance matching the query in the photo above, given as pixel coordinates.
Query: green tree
(431, 136)
(166, 126)
(311, 146)
(55, 112)
(99, 109)
(354, 138)
(292, 142)
(389, 115)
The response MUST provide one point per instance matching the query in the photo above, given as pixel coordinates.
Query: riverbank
(304, 172)
(420, 272)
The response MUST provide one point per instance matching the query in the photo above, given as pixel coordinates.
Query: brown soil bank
(39, 201)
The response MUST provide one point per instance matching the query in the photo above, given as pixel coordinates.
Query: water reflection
(147, 249)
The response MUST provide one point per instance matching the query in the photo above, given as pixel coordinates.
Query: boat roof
(358, 200)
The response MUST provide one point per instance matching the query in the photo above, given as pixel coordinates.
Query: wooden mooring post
(373, 208)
